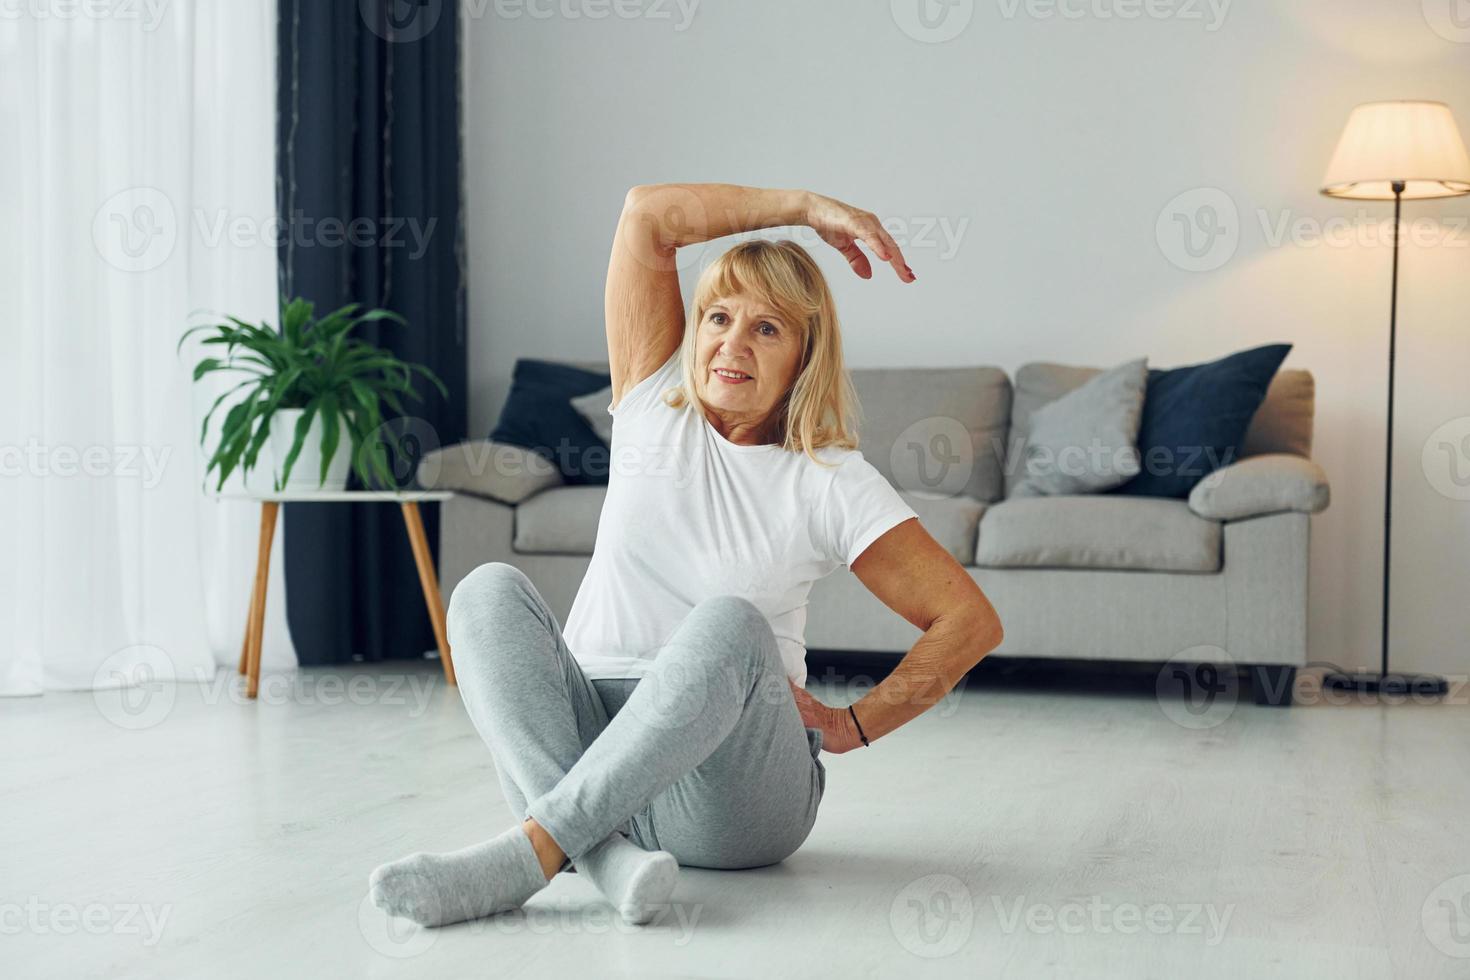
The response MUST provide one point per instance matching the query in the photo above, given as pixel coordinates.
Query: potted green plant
(304, 385)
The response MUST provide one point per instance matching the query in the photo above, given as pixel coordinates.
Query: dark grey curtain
(368, 192)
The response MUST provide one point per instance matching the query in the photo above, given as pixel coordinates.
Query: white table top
(340, 496)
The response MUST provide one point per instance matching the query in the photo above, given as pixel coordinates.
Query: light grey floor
(1008, 833)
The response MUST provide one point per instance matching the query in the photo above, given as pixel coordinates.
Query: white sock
(436, 889)
(637, 882)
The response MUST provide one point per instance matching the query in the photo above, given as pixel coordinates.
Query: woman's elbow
(986, 631)
(638, 197)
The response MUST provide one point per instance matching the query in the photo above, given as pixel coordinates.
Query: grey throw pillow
(593, 407)
(1087, 440)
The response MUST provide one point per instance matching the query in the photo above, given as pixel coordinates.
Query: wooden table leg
(249, 618)
(268, 511)
(430, 582)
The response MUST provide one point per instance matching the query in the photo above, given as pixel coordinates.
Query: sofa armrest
(508, 474)
(1266, 484)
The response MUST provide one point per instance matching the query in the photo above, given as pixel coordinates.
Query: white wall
(1053, 144)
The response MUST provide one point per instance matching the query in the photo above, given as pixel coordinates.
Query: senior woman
(669, 724)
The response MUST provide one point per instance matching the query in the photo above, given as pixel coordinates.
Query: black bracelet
(858, 724)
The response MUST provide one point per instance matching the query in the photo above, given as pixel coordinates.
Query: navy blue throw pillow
(1195, 417)
(538, 415)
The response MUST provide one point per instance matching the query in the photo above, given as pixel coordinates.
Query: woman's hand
(838, 733)
(842, 226)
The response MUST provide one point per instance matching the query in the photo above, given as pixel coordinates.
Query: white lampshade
(1415, 142)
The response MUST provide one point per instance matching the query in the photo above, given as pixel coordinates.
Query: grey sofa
(1219, 578)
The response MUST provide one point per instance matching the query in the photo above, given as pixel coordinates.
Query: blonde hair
(821, 408)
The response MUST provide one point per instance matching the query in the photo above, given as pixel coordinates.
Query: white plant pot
(306, 471)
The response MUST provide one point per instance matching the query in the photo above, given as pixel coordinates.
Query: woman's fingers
(857, 259)
(877, 238)
(844, 227)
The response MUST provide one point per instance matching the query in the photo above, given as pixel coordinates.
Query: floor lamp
(1395, 151)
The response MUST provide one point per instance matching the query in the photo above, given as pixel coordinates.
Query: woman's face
(743, 335)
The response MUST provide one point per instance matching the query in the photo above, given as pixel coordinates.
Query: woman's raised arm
(643, 307)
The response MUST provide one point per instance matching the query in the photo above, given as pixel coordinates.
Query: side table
(270, 505)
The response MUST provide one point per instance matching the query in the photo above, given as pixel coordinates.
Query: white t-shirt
(690, 515)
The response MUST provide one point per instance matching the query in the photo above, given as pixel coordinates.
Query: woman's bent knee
(735, 629)
(486, 587)
(486, 597)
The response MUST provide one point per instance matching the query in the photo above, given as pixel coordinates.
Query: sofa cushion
(1037, 385)
(539, 416)
(509, 474)
(594, 408)
(1195, 417)
(1258, 485)
(1136, 533)
(952, 521)
(1084, 441)
(935, 431)
(562, 520)
(1283, 423)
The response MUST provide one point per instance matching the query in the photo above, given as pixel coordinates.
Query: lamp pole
(1420, 684)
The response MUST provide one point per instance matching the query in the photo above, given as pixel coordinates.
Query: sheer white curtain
(138, 183)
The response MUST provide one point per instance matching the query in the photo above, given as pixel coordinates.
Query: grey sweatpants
(704, 757)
